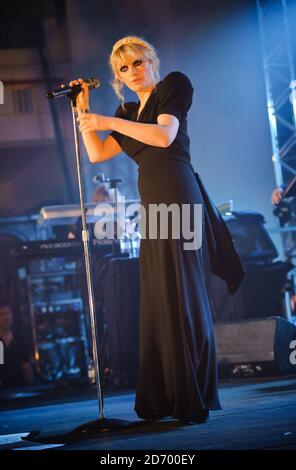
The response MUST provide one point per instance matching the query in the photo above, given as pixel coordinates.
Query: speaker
(256, 346)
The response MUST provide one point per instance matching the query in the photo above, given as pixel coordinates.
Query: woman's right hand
(82, 100)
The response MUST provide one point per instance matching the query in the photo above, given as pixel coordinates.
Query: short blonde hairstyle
(135, 46)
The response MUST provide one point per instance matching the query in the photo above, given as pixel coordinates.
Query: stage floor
(257, 414)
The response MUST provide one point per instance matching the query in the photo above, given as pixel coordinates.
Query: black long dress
(177, 372)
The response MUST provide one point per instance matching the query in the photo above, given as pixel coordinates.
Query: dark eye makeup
(136, 63)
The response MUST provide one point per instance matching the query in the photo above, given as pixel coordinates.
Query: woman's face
(136, 72)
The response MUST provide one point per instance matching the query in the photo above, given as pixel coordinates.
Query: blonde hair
(133, 45)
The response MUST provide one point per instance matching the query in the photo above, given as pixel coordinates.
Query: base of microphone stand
(84, 431)
(99, 426)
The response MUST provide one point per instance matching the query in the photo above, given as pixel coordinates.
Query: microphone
(75, 89)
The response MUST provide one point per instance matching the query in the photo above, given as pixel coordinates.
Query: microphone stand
(102, 424)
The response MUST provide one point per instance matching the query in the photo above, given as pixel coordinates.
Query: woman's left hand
(93, 122)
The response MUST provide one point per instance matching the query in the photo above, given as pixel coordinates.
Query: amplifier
(263, 343)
